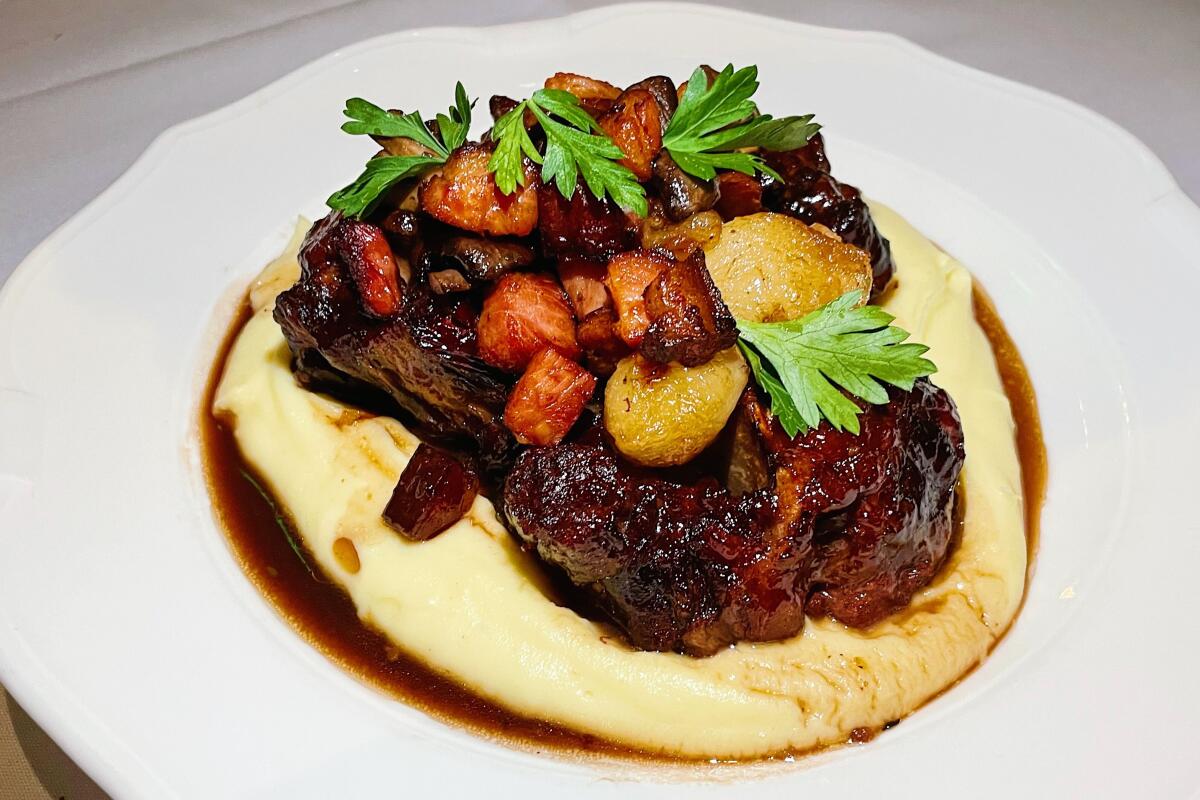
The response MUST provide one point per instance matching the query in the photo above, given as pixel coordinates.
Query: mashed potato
(473, 606)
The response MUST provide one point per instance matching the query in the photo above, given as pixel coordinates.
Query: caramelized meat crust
(464, 194)
(689, 322)
(424, 360)
(434, 491)
(887, 521)
(849, 526)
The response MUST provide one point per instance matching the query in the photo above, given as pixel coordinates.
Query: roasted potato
(664, 414)
(773, 268)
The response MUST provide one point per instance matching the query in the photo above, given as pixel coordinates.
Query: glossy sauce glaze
(275, 560)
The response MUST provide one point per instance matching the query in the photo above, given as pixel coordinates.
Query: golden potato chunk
(664, 414)
(773, 268)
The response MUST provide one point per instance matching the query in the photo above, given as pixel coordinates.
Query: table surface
(128, 69)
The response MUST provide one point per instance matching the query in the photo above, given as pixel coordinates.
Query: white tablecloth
(85, 87)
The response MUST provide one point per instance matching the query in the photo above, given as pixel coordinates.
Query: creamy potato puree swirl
(473, 606)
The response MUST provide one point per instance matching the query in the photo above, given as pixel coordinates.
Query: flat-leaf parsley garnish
(839, 343)
(575, 147)
(714, 121)
(383, 172)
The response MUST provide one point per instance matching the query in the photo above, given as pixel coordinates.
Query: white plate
(127, 630)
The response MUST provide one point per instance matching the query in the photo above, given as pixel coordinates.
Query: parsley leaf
(565, 105)
(377, 177)
(705, 165)
(384, 172)
(714, 121)
(575, 148)
(786, 133)
(706, 108)
(512, 142)
(366, 117)
(781, 402)
(454, 126)
(840, 344)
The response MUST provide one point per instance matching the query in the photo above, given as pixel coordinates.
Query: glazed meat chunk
(847, 526)
(634, 123)
(434, 491)
(676, 567)
(423, 359)
(522, 314)
(464, 194)
(548, 399)
(688, 320)
(584, 226)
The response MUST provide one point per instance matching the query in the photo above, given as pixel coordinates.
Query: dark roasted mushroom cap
(682, 194)
(663, 90)
(499, 105)
(485, 259)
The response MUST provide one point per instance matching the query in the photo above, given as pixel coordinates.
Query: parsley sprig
(575, 147)
(383, 172)
(840, 343)
(715, 120)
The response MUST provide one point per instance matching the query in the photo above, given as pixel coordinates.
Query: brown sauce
(275, 560)
(1031, 448)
